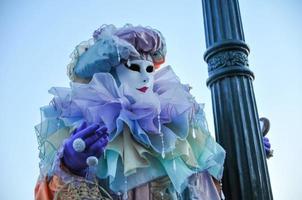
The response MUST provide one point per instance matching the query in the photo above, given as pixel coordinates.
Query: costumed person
(126, 128)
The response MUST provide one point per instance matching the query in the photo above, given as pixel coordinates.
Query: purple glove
(267, 146)
(94, 140)
(264, 127)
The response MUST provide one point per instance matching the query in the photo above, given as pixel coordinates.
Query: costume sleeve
(51, 133)
(47, 186)
(45, 189)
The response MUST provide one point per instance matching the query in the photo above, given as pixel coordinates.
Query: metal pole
(236, 118)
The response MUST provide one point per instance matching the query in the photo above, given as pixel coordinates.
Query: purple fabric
(146, 41)
(102, 102)
(267, 145)
(95, 138)
(201, 186)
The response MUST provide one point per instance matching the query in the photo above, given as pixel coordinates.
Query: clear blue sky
(37, 36)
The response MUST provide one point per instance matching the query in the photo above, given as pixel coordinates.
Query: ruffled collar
(100, 101)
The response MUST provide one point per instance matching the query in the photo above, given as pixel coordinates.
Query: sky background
(37, 37)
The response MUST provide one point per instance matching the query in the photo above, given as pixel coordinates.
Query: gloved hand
(264, 127)
(267, 146)
(94, 139)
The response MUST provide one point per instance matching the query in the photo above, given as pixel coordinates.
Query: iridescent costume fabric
(166, 136)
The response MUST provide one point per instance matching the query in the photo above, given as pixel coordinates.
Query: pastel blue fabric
(110, 46)
(136, 148)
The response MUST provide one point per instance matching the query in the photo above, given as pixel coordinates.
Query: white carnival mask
(137, 79)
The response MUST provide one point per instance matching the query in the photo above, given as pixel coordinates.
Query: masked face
(136, 77)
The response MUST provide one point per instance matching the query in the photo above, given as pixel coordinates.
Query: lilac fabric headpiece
(111, 46)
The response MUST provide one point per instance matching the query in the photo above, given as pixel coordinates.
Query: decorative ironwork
(227, 58)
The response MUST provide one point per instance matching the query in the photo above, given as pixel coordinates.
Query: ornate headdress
(111, 46)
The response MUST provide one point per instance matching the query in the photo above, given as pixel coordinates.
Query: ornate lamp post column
(235, 112)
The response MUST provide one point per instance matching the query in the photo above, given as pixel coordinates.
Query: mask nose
(146, 79)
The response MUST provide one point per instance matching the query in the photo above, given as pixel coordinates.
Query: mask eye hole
(134, 67)
(150, 69)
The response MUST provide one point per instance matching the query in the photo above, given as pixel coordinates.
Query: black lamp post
(235, 112)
